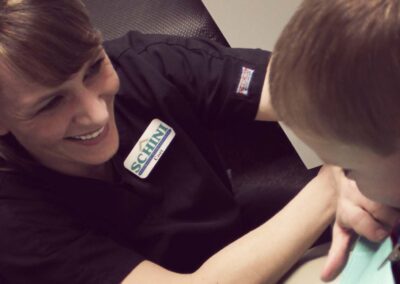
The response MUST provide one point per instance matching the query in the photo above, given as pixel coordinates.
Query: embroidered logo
(149, 149)
(245, 80)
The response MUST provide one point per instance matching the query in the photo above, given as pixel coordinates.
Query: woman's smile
(90, 139)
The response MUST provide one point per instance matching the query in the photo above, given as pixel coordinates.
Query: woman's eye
(94, 69)
(51, 104)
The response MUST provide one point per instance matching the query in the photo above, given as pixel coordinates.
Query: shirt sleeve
(222, 84)
(40, 244)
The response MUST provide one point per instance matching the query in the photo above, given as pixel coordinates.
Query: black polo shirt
(62, 229)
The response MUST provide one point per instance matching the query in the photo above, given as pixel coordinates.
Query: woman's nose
(91, 109)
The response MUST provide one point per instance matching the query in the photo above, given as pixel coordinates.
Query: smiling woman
(113, 174)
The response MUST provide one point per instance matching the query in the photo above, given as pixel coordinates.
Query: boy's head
(335, 80)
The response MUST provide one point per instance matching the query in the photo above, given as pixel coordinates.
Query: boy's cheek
(387, 193)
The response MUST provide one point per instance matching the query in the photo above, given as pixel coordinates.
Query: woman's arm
(266, 253)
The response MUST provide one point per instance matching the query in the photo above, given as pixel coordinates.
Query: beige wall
(251, 23)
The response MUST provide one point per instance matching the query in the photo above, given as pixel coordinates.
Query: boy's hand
(355, 214)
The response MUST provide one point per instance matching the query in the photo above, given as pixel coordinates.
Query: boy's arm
(265, 111)
(266, 253)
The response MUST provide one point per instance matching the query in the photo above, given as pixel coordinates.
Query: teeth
(90, 136)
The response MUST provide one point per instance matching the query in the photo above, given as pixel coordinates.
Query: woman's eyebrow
(95, 56)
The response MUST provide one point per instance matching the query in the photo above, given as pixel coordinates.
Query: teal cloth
(364, 262)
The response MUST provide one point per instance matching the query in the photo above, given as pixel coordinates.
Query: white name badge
(149, 149)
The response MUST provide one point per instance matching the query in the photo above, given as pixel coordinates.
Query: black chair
(181, 18)
(261, 160)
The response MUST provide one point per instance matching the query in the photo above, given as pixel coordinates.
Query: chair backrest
(188, 18)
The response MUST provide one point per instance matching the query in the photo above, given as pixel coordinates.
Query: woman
(108, 171)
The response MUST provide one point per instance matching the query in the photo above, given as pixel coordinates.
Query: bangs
(47, 42)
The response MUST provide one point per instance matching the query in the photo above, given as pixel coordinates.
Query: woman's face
(70, 128)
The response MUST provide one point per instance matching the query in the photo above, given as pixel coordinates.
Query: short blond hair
(336, 71)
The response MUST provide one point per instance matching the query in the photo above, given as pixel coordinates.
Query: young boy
(335, 81)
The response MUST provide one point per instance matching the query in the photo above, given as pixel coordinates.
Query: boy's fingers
(385, 215)
(338, 253)
(364, 224)
(367, 218)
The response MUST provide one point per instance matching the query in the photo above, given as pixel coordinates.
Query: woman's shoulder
(134, 41)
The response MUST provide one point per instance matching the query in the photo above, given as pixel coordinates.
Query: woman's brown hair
(336, 71)
(45, 42)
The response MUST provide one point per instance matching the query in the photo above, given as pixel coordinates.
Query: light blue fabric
(364, 262)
